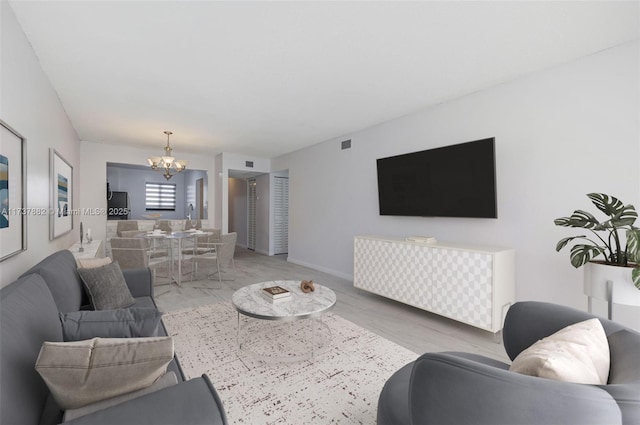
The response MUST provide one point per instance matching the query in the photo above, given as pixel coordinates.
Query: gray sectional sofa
(29, 309)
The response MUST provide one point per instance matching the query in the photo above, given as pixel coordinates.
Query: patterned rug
(340, 385)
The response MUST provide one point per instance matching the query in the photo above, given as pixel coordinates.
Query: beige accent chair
(221, 253)
(135, 253)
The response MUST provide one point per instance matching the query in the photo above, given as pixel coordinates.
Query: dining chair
(221, 253)
(135, 253)
(165, 225)
(193, 224)
(126, 226)
(202, 244)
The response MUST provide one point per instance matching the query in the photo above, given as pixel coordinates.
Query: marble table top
(249, 301)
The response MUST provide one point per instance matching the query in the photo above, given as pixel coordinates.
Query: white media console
(470, 284)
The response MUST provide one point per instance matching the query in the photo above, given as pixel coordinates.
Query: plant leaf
(581, 254)
(633, 245)
(564, 241)
(635, 275)
(625, 217)
(609, 205)
(579, 218)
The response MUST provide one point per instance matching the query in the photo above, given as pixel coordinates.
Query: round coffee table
(249, 301)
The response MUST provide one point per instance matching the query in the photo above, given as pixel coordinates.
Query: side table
(91, 250)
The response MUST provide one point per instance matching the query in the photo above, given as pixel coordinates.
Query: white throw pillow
(166, 380)
(578, 353)
(82, 372)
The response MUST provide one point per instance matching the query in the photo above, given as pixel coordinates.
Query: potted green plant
(605, 240)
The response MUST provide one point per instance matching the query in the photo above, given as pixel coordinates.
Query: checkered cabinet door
(462, 286)
(395, 270)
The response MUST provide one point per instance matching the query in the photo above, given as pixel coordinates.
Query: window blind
(160, 196)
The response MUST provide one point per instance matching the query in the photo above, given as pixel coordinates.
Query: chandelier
(167, 164)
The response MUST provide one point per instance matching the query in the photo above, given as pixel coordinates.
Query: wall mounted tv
(450, 181)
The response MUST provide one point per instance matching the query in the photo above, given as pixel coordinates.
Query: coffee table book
(276, 292)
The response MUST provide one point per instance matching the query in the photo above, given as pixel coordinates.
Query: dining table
(175, 243)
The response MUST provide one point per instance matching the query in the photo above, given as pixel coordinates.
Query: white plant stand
(612, 284)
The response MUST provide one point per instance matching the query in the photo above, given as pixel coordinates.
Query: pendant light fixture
(167, 165)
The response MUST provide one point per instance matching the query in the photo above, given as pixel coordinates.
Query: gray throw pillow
(121, 323)
(79, 373)
(106, 287)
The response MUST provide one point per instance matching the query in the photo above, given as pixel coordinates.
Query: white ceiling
(267, 78)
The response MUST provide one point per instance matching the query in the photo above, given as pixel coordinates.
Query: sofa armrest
(192, 402)
(445, 389)
(139, 281)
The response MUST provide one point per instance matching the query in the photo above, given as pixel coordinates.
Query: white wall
(560, 133)
(31, 107)
(221, 193)
(93, 191)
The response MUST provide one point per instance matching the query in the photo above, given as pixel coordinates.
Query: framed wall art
(13, 192)
(61, 195)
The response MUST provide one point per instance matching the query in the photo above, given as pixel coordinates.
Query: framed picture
(61, 195)
(13, 192)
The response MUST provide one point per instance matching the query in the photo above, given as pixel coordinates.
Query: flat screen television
(450, 181)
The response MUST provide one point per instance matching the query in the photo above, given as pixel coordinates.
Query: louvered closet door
(251, 213)
(281, 215)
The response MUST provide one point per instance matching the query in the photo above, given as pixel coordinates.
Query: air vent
(346, 144)
(248, 164)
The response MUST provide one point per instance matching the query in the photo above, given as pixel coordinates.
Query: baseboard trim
(321, 269)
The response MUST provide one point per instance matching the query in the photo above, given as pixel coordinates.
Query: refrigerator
(118, 206)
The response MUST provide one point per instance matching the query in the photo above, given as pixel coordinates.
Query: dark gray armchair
(462, 388)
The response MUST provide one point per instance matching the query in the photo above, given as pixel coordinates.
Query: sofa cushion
(106, 287)
(143, 302)
(577, 353)
(83, 372)
(28, 316)
(191, 402)
(120, 323)
(59, 271)
(164, 381)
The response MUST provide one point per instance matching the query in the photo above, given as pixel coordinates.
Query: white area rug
(341, 385)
